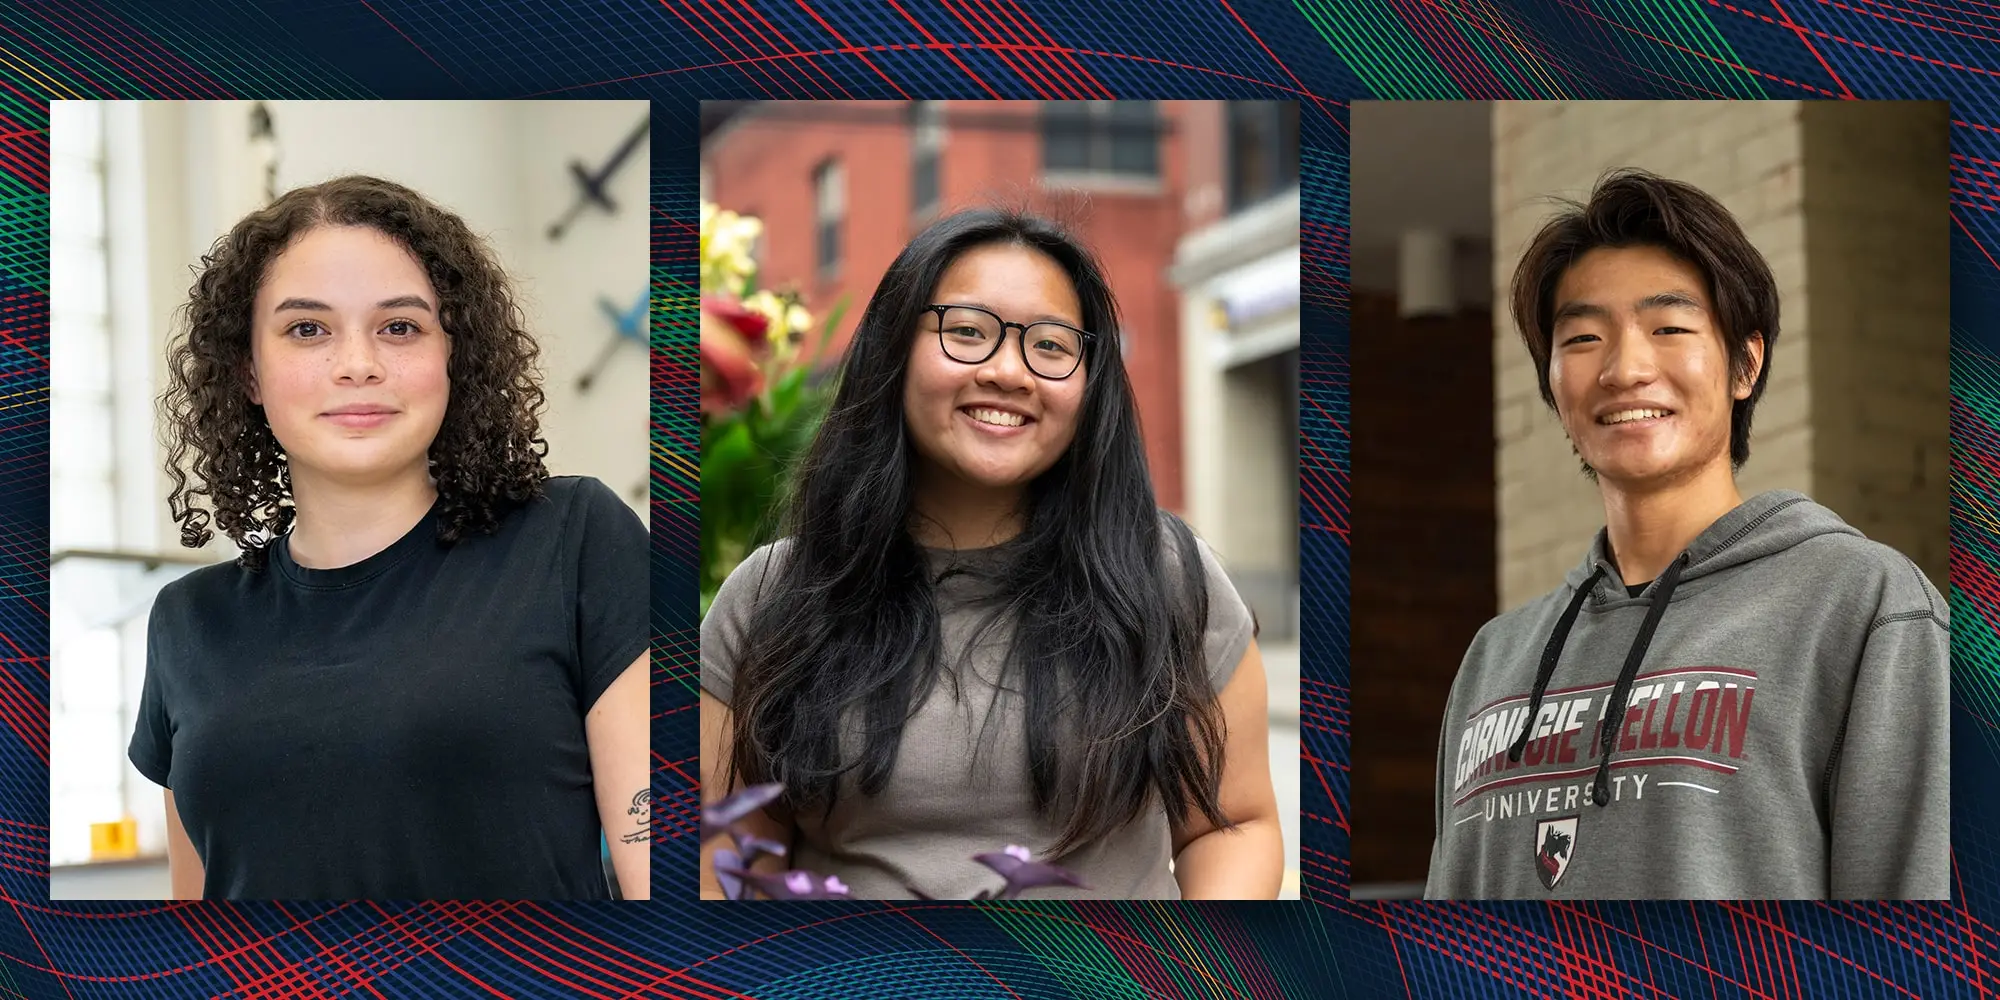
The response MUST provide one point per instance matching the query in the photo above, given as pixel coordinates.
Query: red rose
(751, 326)
(729, 375)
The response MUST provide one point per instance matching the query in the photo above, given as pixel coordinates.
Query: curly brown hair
(487, 457)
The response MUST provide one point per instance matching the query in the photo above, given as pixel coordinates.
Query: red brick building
(842, 186)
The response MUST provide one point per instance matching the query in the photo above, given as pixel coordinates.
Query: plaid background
(1318, 52)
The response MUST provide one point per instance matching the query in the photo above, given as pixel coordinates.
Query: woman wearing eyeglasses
(979, 629)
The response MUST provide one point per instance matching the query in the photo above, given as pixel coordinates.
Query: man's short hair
(1633, 208)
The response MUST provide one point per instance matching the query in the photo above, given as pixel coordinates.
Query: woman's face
(994, 424)
(347, 357)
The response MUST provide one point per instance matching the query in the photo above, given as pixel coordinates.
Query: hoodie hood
(1764, 525)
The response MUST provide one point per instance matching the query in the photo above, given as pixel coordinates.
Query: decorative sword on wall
(631, 326)
(593, 183)
(264, 148)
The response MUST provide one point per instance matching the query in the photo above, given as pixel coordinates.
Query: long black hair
(1108, 594)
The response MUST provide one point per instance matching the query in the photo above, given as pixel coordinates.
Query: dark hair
(1109, 641)
(487, 457)
(1630, 208)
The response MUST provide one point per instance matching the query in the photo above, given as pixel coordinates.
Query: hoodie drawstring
(1550, 654)
(1614, 715)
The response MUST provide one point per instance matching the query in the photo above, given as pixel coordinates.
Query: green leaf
(826, 331)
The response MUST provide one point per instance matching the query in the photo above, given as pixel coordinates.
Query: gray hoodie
(1785, 732)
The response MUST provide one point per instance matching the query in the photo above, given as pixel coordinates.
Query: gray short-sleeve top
(960, 784)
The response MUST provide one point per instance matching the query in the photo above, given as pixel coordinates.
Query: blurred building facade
(842, 186)
(1237, 271)
(1192, 207)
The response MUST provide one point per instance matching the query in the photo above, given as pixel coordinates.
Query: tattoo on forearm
(642, 807)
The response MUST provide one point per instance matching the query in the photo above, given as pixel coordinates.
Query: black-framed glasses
(970, 335)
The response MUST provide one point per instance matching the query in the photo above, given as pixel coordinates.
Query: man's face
(1639, 369)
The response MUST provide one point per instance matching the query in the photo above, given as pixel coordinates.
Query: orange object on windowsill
(114, 841)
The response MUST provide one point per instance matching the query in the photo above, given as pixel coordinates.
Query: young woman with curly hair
(981, 630)
(425, 675)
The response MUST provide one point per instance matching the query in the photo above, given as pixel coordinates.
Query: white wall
(604, 433)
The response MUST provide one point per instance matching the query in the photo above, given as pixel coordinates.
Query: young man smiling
(1727, 698)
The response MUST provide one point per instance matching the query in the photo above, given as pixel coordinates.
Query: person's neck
(341, 523)
(1649, 526)
(953, 514)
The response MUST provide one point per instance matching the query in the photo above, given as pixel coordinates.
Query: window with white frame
(926, 150)
(102, 480)
(82, 511)
(85, 693)
(1263, 158)
(1113, 138)
(829, 212)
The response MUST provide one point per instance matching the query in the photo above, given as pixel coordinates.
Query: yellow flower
(789, 323)
(726, 241)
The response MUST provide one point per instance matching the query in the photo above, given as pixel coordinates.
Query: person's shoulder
(1506, 641)
(573, 491)
(1176, 533)
(748, 583)
(1173, 529)
(1868, 570)
(211, 589)
(762, 561)
(1530, 619)
(573, 502)
(1214, 568)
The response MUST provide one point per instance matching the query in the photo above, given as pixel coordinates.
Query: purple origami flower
(795, 884)
(751, 847)
(727, 864)
(1017, 865)
(732, 866)
(718, 817)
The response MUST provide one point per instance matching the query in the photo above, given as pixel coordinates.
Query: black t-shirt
(407, 727)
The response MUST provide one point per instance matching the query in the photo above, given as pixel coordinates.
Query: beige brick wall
(1860, 335)
(1878, 250)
